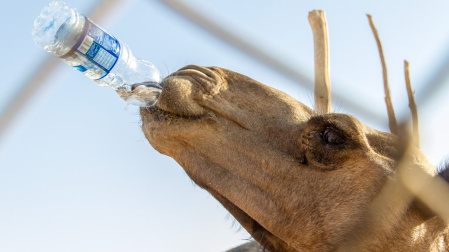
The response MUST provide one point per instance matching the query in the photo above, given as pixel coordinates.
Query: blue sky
(76, 172)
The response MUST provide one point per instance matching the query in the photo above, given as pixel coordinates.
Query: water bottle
(61, 30)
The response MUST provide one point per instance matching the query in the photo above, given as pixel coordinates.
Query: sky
(76, 172)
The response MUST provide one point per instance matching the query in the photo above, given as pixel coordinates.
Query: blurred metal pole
(434, 83)
(244, 45)
(43, 71)
(261, 54)
(24, 95)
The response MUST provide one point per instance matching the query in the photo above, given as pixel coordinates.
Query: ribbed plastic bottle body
(129, 70)
(61, 30)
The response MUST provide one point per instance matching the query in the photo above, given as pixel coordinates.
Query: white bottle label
(95, 53)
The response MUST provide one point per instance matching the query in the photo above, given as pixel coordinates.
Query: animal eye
(331, 136)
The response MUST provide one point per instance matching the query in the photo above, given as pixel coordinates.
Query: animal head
(293, 179)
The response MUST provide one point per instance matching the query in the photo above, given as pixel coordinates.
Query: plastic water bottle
(61, 30)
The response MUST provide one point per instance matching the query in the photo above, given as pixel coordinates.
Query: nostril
(209, 72)
(198, 70)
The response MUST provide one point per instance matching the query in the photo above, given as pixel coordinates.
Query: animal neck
(399, 230)
(430, 235)
(414, 233)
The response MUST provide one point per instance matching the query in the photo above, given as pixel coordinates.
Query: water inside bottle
(49, 23)
(142, 94)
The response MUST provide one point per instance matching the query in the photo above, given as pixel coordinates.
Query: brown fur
(294, 181)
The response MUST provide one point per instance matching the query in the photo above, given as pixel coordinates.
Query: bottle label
(95, 53)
